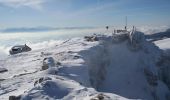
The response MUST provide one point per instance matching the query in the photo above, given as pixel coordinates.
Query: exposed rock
(101, 97)
(2, 70)
(91, 38)
(40, 80)
(2, 79)
(48, 62)
(76, 57)
(44, 67)
(58, 63)
(14, 97)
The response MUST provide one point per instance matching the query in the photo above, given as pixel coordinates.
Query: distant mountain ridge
(159, 35)
(39, 29)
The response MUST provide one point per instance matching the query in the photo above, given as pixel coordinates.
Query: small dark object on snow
(2, 80)
(40, 80)
(76, 57)
(19, 49)
(91, 38)
(101, 97)
(107, 27)
(3, 70)
(14, 97)
(58, 63)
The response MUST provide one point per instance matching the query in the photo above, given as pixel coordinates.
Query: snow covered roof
(19, 48)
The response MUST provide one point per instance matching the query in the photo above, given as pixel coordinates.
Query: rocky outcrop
(47, 63)
(101, 97)
(91, 38)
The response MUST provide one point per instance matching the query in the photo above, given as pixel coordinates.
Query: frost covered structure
(19, 49)
(107, 69)
(127, 68)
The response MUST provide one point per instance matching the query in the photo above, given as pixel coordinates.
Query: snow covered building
(19, 49)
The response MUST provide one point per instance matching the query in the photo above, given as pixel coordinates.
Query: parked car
(19, 48)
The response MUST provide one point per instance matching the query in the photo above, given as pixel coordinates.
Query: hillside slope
(106, 69)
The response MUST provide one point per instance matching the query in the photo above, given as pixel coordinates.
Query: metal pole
(126, 22)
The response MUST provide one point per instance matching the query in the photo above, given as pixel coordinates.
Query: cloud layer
(36, 4)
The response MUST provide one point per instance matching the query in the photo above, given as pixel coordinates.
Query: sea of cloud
(40, 40)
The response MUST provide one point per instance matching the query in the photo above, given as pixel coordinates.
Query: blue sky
(79, 13)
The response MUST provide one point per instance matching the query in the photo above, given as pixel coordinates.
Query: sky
(83, 13)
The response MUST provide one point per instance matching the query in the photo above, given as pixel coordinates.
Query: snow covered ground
(164, 64)
(152, 29)
(84, 70)
(68, 81)
(163, 44)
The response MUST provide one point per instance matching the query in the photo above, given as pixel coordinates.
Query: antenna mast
(126, 23)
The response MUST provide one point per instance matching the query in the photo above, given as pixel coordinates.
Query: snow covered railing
(119, 37)
(134, 37)
(131, 34)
